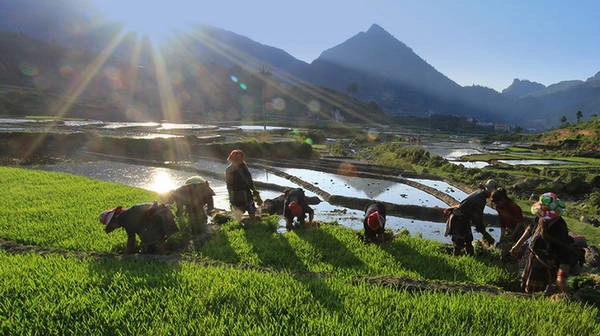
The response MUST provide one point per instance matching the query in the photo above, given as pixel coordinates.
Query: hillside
(372, 66)
(580, 137)
(38, 77)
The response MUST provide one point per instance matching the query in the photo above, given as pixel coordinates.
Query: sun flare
(154, 19)
(162, 182)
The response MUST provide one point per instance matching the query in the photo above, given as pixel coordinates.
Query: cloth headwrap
(195, 179)
(107, 215)
(235, 154)
(490, 185)
(548, 206)
(295, 208)
(375, 220)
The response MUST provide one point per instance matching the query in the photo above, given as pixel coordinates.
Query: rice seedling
(303, 282)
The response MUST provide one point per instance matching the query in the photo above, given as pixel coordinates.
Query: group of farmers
(546, 247)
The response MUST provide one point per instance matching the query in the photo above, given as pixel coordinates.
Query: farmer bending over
(469, 212)
(511, 221)
(152, 222)
(295, 205)
(191, 199)
(552, 252)
(374, 222)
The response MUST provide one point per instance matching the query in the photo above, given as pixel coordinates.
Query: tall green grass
(54, 294)
(57, 295)
(61, 210)
(336, 249)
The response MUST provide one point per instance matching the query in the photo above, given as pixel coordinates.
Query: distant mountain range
(372, 66)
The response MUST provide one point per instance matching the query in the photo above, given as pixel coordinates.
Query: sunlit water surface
(164, 179)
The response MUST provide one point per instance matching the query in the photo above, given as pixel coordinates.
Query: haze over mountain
(372, 66)
(520, 88)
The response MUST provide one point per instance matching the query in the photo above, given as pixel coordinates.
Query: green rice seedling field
(246, 280)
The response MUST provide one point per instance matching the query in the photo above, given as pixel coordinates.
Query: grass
(77, 294)
(63, 295)
(61, 210)
(336, 249)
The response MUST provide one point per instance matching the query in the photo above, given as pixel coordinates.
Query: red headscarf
(375, 220)
(236, 154)
(295, 208)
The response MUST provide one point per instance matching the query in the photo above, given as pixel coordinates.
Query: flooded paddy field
(162, 180)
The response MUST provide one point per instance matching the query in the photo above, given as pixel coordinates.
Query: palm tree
(579, 115)
(563, 120)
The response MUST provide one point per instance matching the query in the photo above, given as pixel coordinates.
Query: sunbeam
(76, 88)
(170, 108)
(244, 60)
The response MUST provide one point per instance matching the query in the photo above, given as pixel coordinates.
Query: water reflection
(362, 187)
(172, 126)
(160, 180)
(114, 125)
(261, 128)
(451, 190)
(470, 164)
(535, 162)
(156, 136)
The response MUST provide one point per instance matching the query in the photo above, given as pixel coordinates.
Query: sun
(161, 182)
(155, 19)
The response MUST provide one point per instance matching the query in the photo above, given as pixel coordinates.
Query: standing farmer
(240, 185)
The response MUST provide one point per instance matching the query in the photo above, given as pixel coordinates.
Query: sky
(473, 42)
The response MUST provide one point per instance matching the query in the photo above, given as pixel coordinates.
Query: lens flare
(372, 136)
(243, 86)
(28, 69)
(314, 106)
(65, 71)
(233, 79)
(347, 169)
(278, 104)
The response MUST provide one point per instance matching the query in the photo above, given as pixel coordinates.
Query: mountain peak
(520, 88)
(378, 52)
(375, 28)
(596, 77)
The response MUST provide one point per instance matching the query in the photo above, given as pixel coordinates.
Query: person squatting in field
(152, 222)
(274, 206)
(194, 199)
(296, 206)
(374, 222)
(469, 213)
(511, 221)
(552, 252)
(240, 186)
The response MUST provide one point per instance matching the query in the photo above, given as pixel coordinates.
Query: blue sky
(486, 42)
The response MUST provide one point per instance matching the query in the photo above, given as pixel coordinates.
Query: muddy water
(164, 179)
